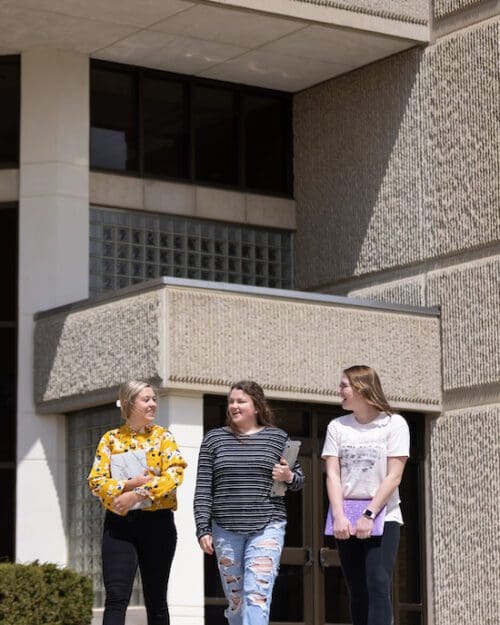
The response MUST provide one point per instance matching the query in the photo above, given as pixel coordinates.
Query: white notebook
(127, 465)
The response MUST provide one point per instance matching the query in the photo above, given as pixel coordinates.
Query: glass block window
(130, 247)
(85, 512)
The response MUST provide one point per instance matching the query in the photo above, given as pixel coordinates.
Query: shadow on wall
(358, 187)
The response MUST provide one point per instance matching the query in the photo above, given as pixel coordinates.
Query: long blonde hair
(365, 381)
(128, 393)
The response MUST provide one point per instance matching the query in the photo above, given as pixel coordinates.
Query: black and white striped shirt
(234, 479)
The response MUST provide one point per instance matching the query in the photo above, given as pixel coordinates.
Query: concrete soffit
(296, 45)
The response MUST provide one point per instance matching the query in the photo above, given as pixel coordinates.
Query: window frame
(239, 90)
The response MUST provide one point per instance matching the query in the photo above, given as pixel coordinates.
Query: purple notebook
(353, 509)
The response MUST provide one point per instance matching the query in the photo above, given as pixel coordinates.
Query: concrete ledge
(410, 291)
(176, 198)
(192, 336)
(408, 20)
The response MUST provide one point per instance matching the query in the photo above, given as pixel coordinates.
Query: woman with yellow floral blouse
(139, 527)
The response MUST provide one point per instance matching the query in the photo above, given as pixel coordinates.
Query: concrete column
(183, 415)
(53, 270)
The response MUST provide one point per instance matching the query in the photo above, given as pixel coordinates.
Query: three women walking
(239, 517)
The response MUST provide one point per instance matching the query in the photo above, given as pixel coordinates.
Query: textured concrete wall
(470, 320)
(416, 11)
(95, 349)
(461, 168)
(298, 348)
(398, 194)
(294, 348)
(354, 181)
(443, 8)
(410, 291)
(465, 456)
(415, 176)
(468, 295)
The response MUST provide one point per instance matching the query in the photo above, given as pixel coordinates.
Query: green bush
(43, 594)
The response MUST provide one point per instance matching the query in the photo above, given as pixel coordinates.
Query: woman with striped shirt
(236, 516)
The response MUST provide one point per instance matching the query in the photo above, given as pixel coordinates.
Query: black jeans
(141, 538)
(367, 566)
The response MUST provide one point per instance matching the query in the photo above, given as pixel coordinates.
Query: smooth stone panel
(170, 198)
(115, 190)
(272, 212)
(220, 204)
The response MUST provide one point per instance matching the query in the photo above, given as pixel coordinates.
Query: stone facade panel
(415, 175)
(358, 181)
(444, 8)
(465, 466)
(461, 188)
(203, 339)
(97, 348)
(298, 348)
(469, 298)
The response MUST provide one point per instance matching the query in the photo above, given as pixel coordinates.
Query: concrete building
(319, 181)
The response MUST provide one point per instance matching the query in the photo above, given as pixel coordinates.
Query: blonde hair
(365, 381)
(128, 393)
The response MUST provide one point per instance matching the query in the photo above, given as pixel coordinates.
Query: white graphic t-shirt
(363, 449)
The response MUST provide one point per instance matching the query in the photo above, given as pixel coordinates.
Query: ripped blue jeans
(248, 566)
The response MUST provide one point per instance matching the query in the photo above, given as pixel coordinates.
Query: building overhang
(287, 45)
(192, 336)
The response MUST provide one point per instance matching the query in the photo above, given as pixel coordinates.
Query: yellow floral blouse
(165, 464)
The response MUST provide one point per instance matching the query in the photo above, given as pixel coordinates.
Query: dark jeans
(146, 539)
(367, 566)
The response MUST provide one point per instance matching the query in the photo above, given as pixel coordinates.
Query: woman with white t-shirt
(366, 452)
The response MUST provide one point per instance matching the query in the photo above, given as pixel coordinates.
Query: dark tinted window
(165, 128)
(9, 119)
(113, 120)
(8, 376)
(8, 394)
(165, 125)
(265, 123)
(8, 263)
(8, 479)
(216, 128)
